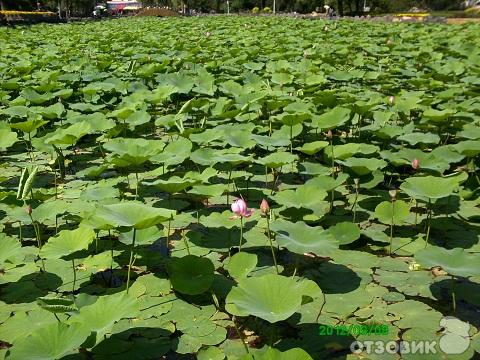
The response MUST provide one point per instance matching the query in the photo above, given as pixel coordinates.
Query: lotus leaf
(270, 297)
(457, 262)
(191, 274)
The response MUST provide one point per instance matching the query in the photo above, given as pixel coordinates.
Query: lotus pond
(135, 155)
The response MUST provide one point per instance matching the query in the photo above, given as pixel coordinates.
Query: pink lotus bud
(28, 209)
(329, 134)
(264, 208)
(415, 164)
(391, 100)
(239, 207)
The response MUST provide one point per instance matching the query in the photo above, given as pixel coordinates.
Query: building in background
(118, 6)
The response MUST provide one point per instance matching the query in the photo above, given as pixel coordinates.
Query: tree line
(341, 7)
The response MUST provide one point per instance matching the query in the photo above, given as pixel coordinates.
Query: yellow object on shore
(15, 12)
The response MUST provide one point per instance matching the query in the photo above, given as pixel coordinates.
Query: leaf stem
(240, 335)
(136, 185)
(271, 244)
(74, 279)
(391, 227)
(429, 217)
(454, 304)
(132, 248)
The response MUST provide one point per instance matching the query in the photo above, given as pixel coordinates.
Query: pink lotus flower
(28, 209)
(415, 164)
(239, 207)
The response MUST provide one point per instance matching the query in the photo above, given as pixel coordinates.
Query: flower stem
(429, 217)
(271, 245)
(132, 248)
(241, 235)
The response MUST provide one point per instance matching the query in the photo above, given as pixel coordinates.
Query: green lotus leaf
(210, 353)
(420, 138)
(34, 97)
(328, 183)
(100, 316)
(7, 137)
(344, 233)
(301, 238)
(392, 213)
(69, 135)
(174, 153)
(277, 159)
(145, 236)
(241, 264)
(57, 304)
(16, 111)
(291, 119)
(67, 242)
(438, 115)
(332, 119)
(9, 247)
(191, 274)
(210, 157)
(138, 118)
(282, 78)
(204, 83)
(29, 125)
(468, 148)
(52, 341)
(270, 297)
(470, 131)
(313, 147)
(208, 191)
(172, 185)
(457, 262)
(306, 196)
(51, 112)
(363, 166)
(275, 354)
(429, 187)
(133, 151)
(132, 214)
(342, 152)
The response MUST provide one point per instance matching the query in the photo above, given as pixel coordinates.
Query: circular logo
(456, 339)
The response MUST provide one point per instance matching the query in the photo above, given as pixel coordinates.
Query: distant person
(330, 13)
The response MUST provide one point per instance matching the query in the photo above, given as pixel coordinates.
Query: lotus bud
(329, 134)
(325, 28)
(264, 208)
(28, 209)
(357, 182)
(391, 100)
(415, 164)
(393, 194)
(208, 33)
(389, 42)
(239, 207)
